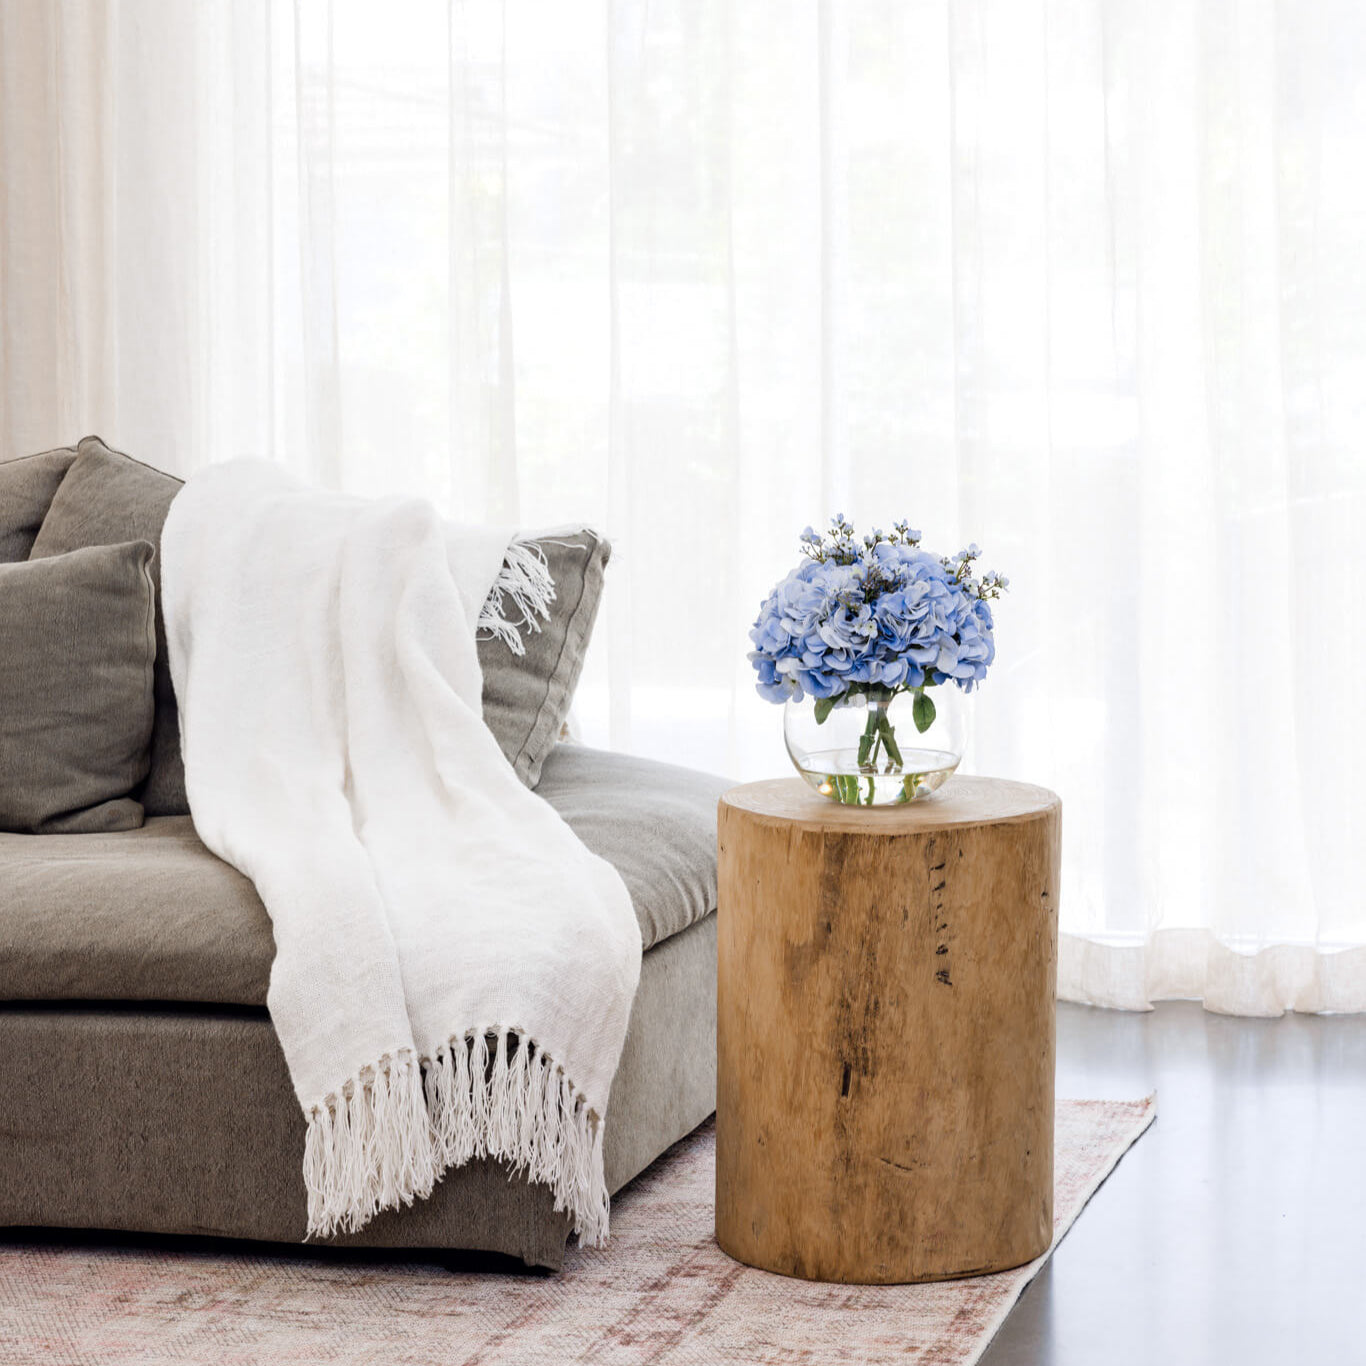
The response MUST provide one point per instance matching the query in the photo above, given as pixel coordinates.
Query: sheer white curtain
(1081, 280)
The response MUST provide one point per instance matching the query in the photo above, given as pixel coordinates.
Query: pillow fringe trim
(522, 592)
(388, 1135)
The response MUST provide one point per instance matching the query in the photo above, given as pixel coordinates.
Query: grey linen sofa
(142, 1086)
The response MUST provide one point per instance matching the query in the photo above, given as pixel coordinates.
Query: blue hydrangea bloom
(877, 614)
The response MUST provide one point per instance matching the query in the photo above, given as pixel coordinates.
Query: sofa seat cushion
(142, 915)
(655, 823)
(151, 915)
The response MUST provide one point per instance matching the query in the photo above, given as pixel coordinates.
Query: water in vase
(836, 773)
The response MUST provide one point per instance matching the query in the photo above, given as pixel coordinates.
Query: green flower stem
(878, 734)
(888, 733)
(879, 737)
(865, 744)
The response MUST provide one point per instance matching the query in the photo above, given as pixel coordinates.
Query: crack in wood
(903, 1166)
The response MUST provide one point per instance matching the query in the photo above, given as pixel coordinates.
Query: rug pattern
(663, 1293)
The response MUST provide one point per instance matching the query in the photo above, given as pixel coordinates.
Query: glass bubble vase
(880, 748)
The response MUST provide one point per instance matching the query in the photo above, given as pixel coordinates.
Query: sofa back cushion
(26, 488)
(76, 689)
(106, 498)
(527, 697)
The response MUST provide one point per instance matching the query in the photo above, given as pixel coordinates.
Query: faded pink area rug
(663, 1292)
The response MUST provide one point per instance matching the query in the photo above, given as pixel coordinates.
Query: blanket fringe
(389, 1134)
(522, 592)
(368, 1147)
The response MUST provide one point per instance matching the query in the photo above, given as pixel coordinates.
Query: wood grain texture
(885, 1031)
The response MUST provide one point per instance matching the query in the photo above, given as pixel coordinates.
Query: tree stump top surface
(962, 801)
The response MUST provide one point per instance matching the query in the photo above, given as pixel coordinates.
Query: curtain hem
(1193, 964)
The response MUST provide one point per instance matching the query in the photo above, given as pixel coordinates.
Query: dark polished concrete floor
(1234, 1232)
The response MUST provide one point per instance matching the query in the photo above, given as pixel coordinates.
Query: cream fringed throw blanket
(453, 969)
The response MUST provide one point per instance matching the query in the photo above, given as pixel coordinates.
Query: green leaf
(922, 712)
(823, 708)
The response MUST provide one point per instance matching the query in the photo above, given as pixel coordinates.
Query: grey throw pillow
(76, 689)
(26, 488)
(106, 498)
(527, 697)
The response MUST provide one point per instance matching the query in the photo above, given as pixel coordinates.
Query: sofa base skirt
(183, 1121)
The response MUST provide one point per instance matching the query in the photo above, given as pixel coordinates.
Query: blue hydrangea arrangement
(878, 616)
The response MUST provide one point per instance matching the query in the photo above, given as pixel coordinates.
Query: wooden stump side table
(885, 1031)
